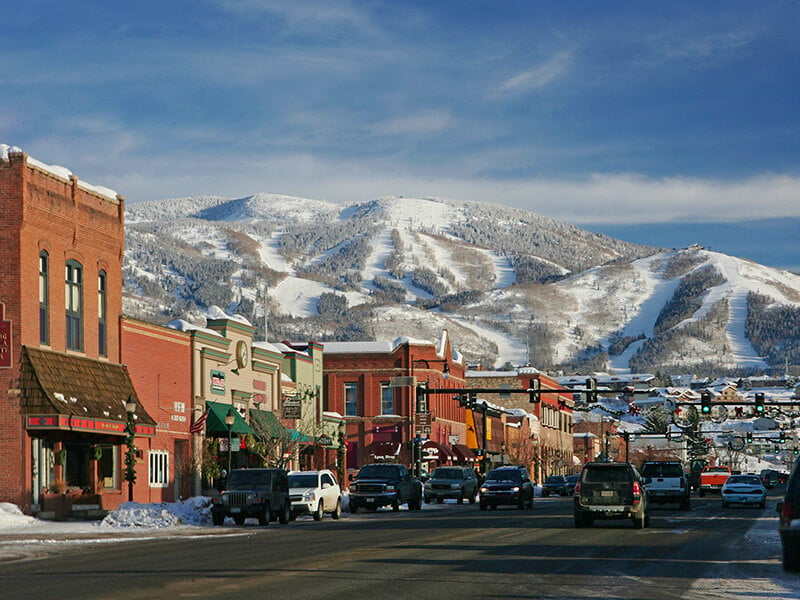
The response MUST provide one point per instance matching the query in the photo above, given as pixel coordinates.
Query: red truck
(713, 478)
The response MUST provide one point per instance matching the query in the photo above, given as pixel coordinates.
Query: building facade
(63, 391)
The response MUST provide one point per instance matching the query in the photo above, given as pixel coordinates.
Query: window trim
(158, 468)
(44, 298)
(73, 292)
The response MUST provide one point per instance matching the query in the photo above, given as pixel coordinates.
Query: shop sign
(291, 408)
(218, 382)
(5, 339)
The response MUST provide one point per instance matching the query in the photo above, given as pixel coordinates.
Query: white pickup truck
(666, 482)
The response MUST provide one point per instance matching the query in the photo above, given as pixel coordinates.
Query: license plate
(606, 493)
(370, 499)
(236, 509)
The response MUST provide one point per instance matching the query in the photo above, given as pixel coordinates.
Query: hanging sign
(5, 339)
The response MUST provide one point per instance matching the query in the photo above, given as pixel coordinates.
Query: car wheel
(472, 497)
(292, 516)
(588, 520)
(217, 518)
(638, 521)
(283, 517)
(521, 502)
(337, 512)
(263, 517)
(318, 512)
(791, 558)
(395, 505)
(439, 500)
(460, 499)
(701, 493)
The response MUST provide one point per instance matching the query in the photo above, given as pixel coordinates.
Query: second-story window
(44, 298)
(351, 399)
(102, 331)
(74, 305)
(387, 399)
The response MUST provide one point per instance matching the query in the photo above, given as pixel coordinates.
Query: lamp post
(341, 454)
(229, 419)
(130, 454)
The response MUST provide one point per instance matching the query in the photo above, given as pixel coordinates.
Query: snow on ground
(299, 297)
(269, 254)
(509, 349)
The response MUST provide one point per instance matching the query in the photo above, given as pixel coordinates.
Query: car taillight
(578, 488)
(637, 492)
(787, 514)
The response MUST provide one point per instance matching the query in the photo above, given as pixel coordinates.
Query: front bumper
(370, 500)
(500, 497)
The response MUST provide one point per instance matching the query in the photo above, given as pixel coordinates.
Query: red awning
(464, 454)
(435, 451)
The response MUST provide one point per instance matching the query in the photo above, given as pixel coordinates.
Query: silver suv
(458, 483)
(666, 482)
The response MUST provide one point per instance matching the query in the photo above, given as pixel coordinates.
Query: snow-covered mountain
(509, 285)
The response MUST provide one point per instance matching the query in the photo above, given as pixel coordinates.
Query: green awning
(266, 422)
(216, 419)
(300, 438)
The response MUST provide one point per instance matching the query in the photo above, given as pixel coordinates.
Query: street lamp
(130, 454)
(229, 419)
(341, 454)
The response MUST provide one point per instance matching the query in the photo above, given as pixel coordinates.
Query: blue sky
(593, 112)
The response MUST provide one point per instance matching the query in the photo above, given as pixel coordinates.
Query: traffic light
(777, 449)
(748, 437)
(782, 437)
(705, 402)
(591, 390)
(462, 399)
(533, 389)
(708, 443)
(473, 398)
(759, 399)
(795, 450)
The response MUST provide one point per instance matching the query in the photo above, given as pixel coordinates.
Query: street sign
(402, 382)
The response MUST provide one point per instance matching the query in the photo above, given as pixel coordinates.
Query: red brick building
(385, 420)
(63, 391)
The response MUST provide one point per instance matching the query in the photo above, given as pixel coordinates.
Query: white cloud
(420, 124)
(537, 77)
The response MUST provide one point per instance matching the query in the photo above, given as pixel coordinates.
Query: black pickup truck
(385, 484)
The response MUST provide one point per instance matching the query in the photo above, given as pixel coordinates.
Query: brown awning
(385, 450)
(463, 454)
(76, 393)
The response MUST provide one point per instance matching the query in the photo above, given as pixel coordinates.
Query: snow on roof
(490, 374)
(357, 347)
(181, 325)
(215, 312)
(58, 171)
(279, 348)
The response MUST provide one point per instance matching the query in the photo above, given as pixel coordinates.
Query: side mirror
(350, 477)
(326, 486)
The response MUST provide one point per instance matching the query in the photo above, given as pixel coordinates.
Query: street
(444, 551)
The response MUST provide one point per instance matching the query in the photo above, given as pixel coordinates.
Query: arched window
(44, 298)
(74, 305)
(102, 331)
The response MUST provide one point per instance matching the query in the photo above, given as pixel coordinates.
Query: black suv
(507, 485)
(610, 490)
(789, 521)
(259, 493)
(554, 484)
(459, 483)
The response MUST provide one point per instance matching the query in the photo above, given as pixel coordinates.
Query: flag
(199, 423)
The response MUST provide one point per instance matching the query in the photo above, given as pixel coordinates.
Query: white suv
(314, 493)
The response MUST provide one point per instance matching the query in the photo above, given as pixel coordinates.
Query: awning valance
(385, 450)
(435, 451)
(217, 411)
(76, 393)
(464, 454)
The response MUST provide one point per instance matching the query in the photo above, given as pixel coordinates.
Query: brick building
(386, 422)
(63, 391)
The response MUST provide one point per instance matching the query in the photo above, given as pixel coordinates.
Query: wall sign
(218, 382)
(5, 340)
(291, 408)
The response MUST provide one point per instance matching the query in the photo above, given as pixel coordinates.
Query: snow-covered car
(744, 489)
(314, 493)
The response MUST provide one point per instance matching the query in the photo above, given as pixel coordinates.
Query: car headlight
(310, 496)
(515, 489)
(484, 490)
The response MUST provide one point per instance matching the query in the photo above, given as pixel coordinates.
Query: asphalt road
(441, 552)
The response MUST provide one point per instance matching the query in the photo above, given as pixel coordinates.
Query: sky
(599, 113)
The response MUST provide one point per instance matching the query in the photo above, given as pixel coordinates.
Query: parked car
(666, 482)
(743, 489)
(259, 493)
(507, 485)
(314, 493)
(610, 490)
(458, 483)
(572, 481)
(554, 484)
(385, 484)
(789, 521)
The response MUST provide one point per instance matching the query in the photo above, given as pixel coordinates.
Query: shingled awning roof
(75, 393)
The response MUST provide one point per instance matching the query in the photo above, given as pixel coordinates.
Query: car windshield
(378, 471)
(304, 480)
(554, 479)
(607, 474)
(504, 475)
(662, 470)
(252, 477)
(750, 479)
(444, 473)
(572, 478)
